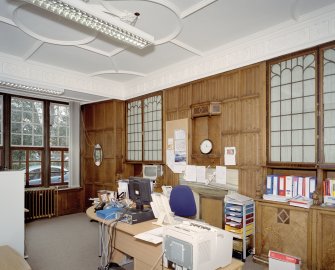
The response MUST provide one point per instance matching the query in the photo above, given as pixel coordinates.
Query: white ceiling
(184, 31)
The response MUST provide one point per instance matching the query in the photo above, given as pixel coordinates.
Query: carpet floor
(71, 243)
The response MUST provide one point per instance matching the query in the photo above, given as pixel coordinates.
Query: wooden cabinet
(305, 233)
(323, 238)
(282, 228)
(212, 210)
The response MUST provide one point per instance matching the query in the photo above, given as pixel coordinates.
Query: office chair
(182, 201)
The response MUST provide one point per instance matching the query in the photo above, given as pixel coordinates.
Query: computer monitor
(139, 191)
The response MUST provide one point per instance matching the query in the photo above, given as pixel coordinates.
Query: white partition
(12, 210)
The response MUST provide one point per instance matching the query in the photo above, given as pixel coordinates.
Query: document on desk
(154, 236)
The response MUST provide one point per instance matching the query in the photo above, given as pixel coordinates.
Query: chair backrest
(182, 201)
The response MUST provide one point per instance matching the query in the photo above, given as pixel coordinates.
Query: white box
(281, 261)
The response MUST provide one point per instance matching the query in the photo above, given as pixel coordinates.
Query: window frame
(6, 149)
(141, 99)
(319, 112)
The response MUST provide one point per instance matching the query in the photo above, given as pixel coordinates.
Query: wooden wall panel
(171, 98)
(107, 146)
(251, 80)
(249, 178)
(250, 120)
(212, 211)
(199, 92)
(231, 115)
(184, 97)
(213, 86)
(99, 116)
(249, 150)
(70, 201)
(172, 116)
(108, 130)
(230, 85)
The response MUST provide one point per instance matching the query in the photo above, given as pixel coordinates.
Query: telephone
(99, 206)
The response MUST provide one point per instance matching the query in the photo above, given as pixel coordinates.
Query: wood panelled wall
(102, 123)
(242, 122)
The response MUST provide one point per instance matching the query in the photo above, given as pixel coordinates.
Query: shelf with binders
(239, 220)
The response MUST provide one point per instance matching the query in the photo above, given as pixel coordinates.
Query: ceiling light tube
(29, 88)
(79, 12)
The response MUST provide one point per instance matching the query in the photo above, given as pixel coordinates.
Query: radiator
(40, 202)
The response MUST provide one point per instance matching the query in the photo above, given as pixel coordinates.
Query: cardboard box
(280, 261)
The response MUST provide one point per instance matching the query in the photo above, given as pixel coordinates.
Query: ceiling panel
(230, 20)
(104, 45)
(151, 58)
(7, 7)
(73, 58)
(59, 30)
(14, 41)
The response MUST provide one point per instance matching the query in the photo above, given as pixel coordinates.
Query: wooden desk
(10, 260)
(144, 253)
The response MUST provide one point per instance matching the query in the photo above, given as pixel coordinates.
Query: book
(289, 186)
(281, 186)
(301, 201)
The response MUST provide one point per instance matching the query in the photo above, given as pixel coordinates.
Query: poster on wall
(176, 145)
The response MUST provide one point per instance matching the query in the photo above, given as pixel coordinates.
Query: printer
(196, 245)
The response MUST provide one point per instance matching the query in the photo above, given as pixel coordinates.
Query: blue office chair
(182, 201)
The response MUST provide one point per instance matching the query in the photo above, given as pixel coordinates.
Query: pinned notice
(230, 156)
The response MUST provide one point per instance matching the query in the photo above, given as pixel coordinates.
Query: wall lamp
(29, 88)
(80, 12)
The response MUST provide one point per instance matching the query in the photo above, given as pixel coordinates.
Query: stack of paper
(301, 201)
(276, 198)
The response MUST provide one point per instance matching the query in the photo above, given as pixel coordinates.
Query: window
(292, 101)
(144, 129)
(328, 65)
(38, 140)
(1, 120)
(26, 122)
(26, 138)
(59, 143)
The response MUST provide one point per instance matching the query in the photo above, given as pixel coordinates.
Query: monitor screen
(139, 191)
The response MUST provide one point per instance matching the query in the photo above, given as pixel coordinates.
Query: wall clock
(206, 146)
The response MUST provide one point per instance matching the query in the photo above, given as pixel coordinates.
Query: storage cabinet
(305, 233)
(239, 219)
(323, 238)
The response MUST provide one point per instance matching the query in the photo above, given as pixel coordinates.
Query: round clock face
(206, 146)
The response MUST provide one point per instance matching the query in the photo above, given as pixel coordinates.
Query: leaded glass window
(292, 110)
(59, 125)
(153, 128)
(134, 130)
(26, 122)
(329, 105)
(144, 129)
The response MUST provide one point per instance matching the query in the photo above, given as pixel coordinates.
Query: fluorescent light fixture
(29, 88)
(79, 12)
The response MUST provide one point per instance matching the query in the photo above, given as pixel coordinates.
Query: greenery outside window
(144, 129)
(59, 143)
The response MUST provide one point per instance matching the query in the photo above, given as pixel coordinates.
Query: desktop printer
(197, 246)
